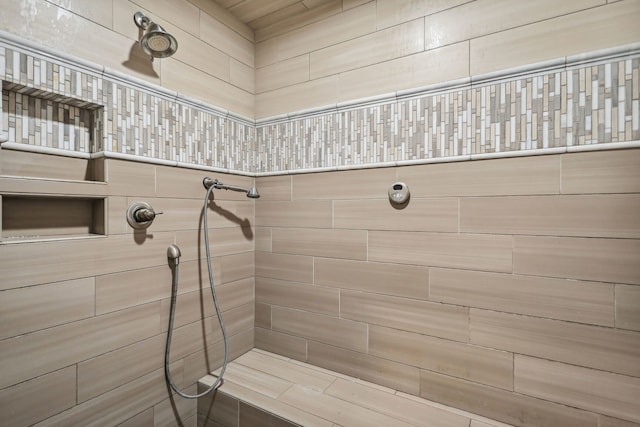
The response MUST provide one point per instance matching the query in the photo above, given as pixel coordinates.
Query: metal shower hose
(174, 293)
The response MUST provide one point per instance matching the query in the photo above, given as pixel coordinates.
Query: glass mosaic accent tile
(53, 104)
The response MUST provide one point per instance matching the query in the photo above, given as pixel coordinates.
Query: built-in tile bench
(265, 389)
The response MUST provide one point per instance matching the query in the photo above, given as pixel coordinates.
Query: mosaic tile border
(563, 105)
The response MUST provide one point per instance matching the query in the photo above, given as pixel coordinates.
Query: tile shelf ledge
(462, 158)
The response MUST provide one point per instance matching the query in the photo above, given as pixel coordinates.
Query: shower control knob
(140, 215)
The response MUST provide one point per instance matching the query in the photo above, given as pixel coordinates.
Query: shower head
(252, 192)
(155, 42)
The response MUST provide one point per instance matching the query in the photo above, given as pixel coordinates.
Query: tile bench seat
(265, 389)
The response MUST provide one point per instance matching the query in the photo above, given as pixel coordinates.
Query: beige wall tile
(106, 372)
(313, 214)
(474, 19)
(283, 21)
(573, 385)
(116, 222)
(117, 405)
(587, 216)
(194, 337)
(604, 421)
(593, 29)
(607, 260)
(391, 279)
(236, 267)
(369, 368)
(628, 307)
(517, 176)
(283, 344)
(274, 406)
(601, 172)
(330, 330)
(129, 288)
(501, 405)
(362, 184)
(39, 398)
(591, 346)
(222, 241)
(222, 37)
(98, 12)
(349, 244)
(421, 69)
(238, 319)
(281, 74)
(38, 307)
(345, 26)
(242, 76)
(274, 187)
(253, 416)
(57, 28)
(263, 315)
(174, 411)
(70, 259)
(191, 50)
(392, 43)
(263, 239)
(180, 13)
(393, 405)
(345, 413)
(294, 268)
(575, 301)
(462, 360)
(316, 299)
(21, 163)
(193, 82)
(219, 409)
(224, 16)
(235, 294)
(488, 253)
(52, 187)
(184, 183)
(288, 99)
(141, 419)
(199, 364)
(127, 178)
(419, 215)
(393, 12)
(440, 320)
(73, 342)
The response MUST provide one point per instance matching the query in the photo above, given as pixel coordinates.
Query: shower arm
(210, 182)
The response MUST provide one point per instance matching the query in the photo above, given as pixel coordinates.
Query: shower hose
(174, 293)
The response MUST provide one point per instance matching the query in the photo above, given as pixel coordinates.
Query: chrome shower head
(252, 192)
(155, 42)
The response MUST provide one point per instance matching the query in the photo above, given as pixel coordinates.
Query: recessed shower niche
(45, 196)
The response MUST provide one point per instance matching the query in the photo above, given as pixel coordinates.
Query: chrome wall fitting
(140, 215)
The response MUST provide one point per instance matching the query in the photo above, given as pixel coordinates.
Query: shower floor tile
(308, 395)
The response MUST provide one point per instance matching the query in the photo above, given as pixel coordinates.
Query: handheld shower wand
(252, 192)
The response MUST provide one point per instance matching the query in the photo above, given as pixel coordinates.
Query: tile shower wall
(505, 287)
(84, 320)
(369, 48)
(214, 64)
(579, 106)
